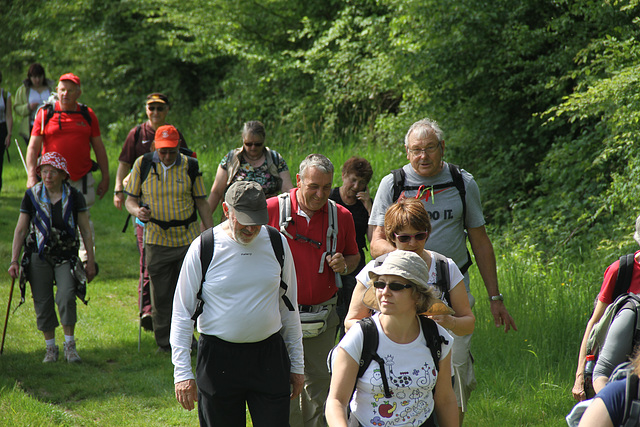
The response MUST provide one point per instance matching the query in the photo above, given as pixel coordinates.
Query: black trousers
(230, 376)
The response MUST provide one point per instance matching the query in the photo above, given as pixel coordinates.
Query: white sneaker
(70, 352)
(51, 355)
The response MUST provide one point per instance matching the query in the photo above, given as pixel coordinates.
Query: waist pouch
(314, 318)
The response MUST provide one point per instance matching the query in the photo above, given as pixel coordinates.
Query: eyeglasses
(167, 151)
(253, 144)
(429, 149)
(394, 286)
(50, 172)
(312, 242)
(158, 109)
(404, 238)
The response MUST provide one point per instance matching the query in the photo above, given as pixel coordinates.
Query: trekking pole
(6, 318)
(21, 157)
(141, 291)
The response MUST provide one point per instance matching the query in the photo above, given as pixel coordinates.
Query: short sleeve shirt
(133, 149)
(610, 277)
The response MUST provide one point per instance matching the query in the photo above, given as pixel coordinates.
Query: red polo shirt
(313, 287)
(69, 135)
(610, 277)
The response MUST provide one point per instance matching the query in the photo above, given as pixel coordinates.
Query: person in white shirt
(250, 346)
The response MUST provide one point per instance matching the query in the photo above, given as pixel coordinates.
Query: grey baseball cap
(248, 202)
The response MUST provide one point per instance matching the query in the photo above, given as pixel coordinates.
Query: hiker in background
(611, 288)
(451, 197)
(72, 130)
(33, 93)
(254, 161)
(170, 212)
(6, 124)
(415, 385)
(608, 407)
(250, 348)
(51, 213)
(305, 217)
(353, 194)
(139, 142)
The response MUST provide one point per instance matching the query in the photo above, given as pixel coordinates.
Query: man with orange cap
(71, 129)
(165, 190)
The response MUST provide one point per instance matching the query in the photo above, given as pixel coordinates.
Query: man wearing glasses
(429, 178)
(139, 142)
(317, 266)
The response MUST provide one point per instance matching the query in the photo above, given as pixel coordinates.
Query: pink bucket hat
(54, 159)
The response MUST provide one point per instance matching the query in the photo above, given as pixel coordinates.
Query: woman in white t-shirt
(417, 388)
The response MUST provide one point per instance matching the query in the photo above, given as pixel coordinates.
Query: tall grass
(524, 377)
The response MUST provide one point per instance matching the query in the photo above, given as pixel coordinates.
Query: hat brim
(156, 101)
(260, 217)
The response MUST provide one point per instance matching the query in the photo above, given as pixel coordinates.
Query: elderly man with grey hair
(451, 197)
(305, 215)
(627, 266)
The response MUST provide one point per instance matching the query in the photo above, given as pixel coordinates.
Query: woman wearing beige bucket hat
(417, 387)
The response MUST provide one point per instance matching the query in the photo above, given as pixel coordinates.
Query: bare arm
(204, 211)
(343, 379)
(379, 244)
(596, 415)
(87, 238)
(103, 163)
(463, 321)
(287, 184)
(444, 399)
(19, 234)
(218, 188)
(578, 386)
(357, 310)
(133, 207)
(486, 260)
(33, 151)
(121, 173)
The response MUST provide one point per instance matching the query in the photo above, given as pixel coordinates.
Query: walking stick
(141, 291)
(21, 156)
(6, 319)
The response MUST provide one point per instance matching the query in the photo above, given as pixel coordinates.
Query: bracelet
(118, 192)
(14, 262)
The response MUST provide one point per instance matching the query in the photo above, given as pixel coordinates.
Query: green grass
(524, 377)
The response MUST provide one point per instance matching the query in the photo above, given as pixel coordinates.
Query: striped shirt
(170, 195)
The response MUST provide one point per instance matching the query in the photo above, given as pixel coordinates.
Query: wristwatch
(498, 297)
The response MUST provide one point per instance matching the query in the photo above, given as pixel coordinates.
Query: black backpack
(206, 254)
(625, 271)
(631, 417)
(50, 111)
(399, 177)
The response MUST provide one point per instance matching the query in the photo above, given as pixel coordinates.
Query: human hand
(187, 393)
(578, 389)
(31, 181)
(144, 213)
(502, 317)
(14, 270)
(118, 199)
(33, 106)
(90, 270)
(7, 141)
(337, 263)
(103, 187)
(297, 382)
(445, 320)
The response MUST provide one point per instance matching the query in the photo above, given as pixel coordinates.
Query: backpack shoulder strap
(458, 182)
(137, 135)
(433, 338)
(145, 166)
(233, 165)
(443, 278)
(625, 271)
(370, 352)
(631, 402)
(284, 206)
(278, 250)
(84, 110)
(193, 169)
(398, 183)
(206, 255)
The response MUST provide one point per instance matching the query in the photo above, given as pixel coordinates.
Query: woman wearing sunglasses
(254, 161)
(417, 386)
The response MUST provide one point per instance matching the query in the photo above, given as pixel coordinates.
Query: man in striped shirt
(164, 191)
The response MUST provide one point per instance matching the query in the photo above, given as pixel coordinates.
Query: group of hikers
(281, 278)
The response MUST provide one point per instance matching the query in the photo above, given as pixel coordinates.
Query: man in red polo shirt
(316, 268)
(72, 130)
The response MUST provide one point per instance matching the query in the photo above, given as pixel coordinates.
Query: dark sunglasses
(308, 240)
(254, 144)
(394, 286)
(159, 109)
(404, 238)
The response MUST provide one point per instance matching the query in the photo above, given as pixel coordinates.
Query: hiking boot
(70, 352)
(146, 321)
(51, 355)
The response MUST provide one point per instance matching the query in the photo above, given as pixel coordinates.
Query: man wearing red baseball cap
(165, 190)
(71, 129)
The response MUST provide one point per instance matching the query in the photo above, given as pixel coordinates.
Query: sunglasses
(159, 109)
(254, 144)
(308, 240)
(404, 238)
(394, 286)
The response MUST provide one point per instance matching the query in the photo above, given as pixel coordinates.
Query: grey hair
(318, 161)
(423, 128)
(254, 127)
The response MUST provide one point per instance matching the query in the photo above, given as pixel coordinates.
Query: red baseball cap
(167, 136)
(71, 77)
